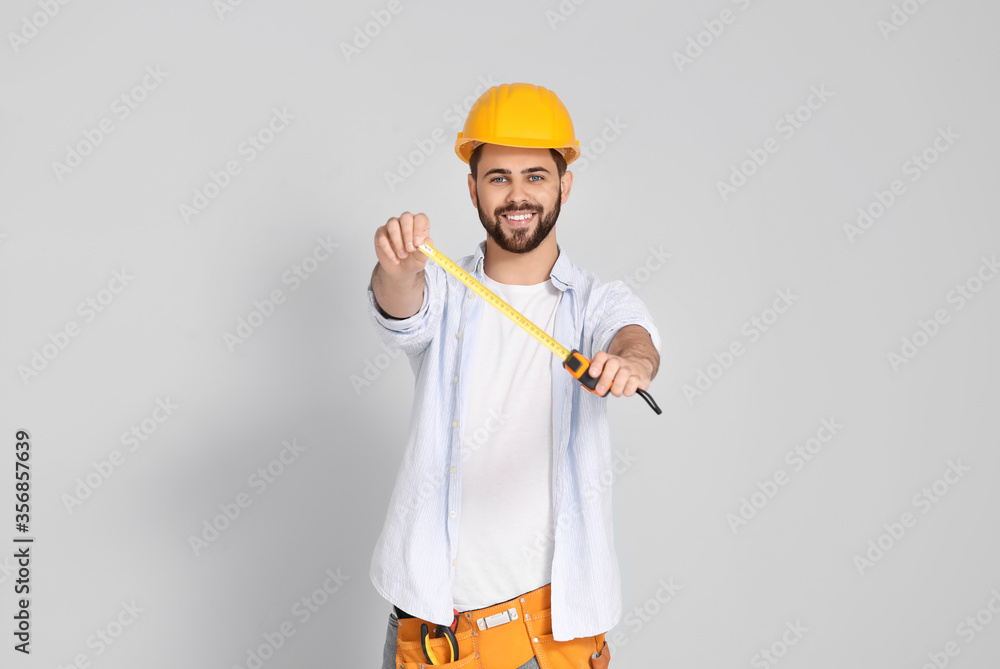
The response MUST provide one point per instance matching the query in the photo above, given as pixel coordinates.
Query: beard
(519, 240)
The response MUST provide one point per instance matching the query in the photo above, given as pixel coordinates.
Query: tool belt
(502, 636)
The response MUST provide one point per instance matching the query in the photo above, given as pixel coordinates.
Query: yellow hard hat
(521, 115)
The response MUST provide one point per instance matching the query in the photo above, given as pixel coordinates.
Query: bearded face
(518, 193)
(519, 228)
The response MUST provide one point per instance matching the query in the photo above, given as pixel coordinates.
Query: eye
(495, 179)
(535, 177)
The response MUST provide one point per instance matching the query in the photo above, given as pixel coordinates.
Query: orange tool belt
(502, 636)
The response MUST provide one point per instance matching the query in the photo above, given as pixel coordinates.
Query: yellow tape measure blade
(573, 365)
(510, 312)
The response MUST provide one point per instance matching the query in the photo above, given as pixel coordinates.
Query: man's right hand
(396, 244)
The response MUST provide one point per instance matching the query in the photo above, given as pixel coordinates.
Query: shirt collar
(562, 273)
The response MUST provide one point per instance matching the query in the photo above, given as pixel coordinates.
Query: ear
(565, 184)
(472, 192)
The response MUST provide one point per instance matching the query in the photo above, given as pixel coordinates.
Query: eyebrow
(529, 170)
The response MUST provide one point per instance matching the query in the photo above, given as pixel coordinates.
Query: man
(498, 538)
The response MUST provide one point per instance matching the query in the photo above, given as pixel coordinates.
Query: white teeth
(520, 217)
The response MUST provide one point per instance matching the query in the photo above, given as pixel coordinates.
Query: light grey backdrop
(822, 485)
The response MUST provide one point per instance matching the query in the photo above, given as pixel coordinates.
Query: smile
(519, 219)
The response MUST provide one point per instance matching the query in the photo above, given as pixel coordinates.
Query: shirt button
(452, 514)
(454, 423)
(454, 469)
(471, 295)
(458, 335)
(456, 379)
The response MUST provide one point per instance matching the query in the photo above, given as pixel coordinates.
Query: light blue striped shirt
(414, 560)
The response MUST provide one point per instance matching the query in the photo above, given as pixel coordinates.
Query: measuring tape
(574, 361)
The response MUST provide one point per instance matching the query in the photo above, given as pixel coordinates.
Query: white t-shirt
(505, 529)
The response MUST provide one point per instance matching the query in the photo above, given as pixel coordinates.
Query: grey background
(653, 187)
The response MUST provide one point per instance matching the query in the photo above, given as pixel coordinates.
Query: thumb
(596, 365)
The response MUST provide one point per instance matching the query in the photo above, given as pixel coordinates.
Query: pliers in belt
(441, 630)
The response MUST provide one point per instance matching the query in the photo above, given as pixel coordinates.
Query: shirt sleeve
(411, 335)
(621, 308)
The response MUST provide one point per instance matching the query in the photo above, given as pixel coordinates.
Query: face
(518, 194)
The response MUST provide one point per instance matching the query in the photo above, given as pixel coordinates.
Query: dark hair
(474, 162)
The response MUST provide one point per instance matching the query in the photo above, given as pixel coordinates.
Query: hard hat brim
(464, 146)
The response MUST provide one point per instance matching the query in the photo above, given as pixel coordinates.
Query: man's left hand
(622, 375)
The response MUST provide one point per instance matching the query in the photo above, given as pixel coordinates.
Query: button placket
(457, 433)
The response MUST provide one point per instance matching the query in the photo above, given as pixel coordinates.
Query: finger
(396, 237)
(630, 386)
(606, 382)
(423, 256)
(597, 364)
(614, 383)
(625, 382)
(406, 231)
(603, 389)
(421, 229)
(419, 257)
(382, 243)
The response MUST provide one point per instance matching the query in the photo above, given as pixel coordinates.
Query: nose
(516, 193)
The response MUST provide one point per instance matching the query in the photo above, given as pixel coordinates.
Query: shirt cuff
(398, 324)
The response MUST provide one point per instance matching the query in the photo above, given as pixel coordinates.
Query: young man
(498, 538)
